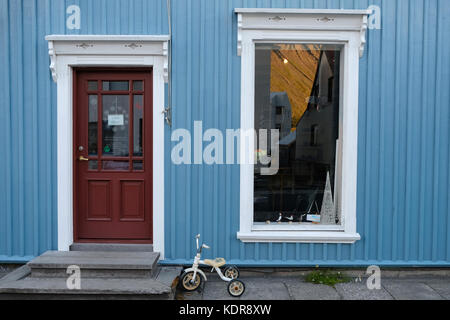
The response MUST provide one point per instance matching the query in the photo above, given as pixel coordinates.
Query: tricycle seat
(216, 263)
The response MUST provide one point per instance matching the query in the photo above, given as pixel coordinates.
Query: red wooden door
(113, 156)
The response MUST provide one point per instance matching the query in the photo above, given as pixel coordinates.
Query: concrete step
(112, 265)
(56, 288)
(20, 285)
(111, 247)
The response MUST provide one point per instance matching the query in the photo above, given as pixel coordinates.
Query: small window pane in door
(138, 85)
(116, 165)
(93, 125)
(138, 124)
(93, 165)
(138, 165)
(93, 85)
(115, 85)
(115, 125)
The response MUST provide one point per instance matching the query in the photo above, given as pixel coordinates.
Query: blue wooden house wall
(403, 206)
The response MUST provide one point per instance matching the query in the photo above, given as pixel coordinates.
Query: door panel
(132, 201)
(99, 199)
(113, 157)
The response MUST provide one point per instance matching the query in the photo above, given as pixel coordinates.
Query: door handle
(81, 158)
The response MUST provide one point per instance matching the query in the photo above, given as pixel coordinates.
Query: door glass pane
(93, 165)
(138, 165)
(93, 125)
(116, 165)
(115, 85)
(138, 124)
(115, 125)
(297, 93)
(93, 85)
(138, 85)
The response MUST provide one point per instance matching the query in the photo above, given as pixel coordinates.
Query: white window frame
(69, 51)
(346, 28)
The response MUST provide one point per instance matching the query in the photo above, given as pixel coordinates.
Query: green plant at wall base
(326, 277)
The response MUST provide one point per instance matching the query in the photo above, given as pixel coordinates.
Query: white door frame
(69, 51)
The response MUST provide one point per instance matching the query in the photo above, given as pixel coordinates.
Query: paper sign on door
(115, 120)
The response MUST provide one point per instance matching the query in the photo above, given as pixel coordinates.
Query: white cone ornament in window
(327, 213)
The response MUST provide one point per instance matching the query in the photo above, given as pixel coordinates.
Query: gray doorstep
(104, 275)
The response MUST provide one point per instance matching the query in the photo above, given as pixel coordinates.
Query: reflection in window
(138, 85)
(297, 92)
(138, 165)
(116, 165)
(93, 85)
(93, 165)
(138, 124)
(115, 85)
(314, 134)
(115, 125)
(93, 125)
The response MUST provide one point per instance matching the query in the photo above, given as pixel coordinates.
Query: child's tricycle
(192, 277)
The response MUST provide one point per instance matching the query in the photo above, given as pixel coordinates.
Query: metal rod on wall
(168, 109)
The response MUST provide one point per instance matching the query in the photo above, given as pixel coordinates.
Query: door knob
(81, 158)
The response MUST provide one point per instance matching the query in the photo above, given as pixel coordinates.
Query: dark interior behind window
(297, 92)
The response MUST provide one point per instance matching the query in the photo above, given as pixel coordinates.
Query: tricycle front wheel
(188, 282)
(236, 288)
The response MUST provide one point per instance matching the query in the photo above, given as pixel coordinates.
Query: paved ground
(295, 288)
(4, 270)
(396, 285)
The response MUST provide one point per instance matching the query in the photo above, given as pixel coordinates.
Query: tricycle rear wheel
(231, 272)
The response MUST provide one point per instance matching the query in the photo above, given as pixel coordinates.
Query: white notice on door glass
(115, 120)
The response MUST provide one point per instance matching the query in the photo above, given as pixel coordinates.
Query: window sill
(303, 227)
(299, 237)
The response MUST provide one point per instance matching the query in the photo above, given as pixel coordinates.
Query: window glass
(93, 165)
(116, 165)
(115, 125)
(93, 85)
(138, 165)
(297, 93)
(138, 85)
(115, 85)
(93, 125)
(138, 124)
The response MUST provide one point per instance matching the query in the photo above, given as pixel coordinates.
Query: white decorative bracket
(310, 21)
(108, 47)
(166, 60)
(363, 35)
(239, 36)
(52, 54)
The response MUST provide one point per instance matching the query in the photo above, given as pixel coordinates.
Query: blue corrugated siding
(28, 210)
(403, 174)
(403, 178)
